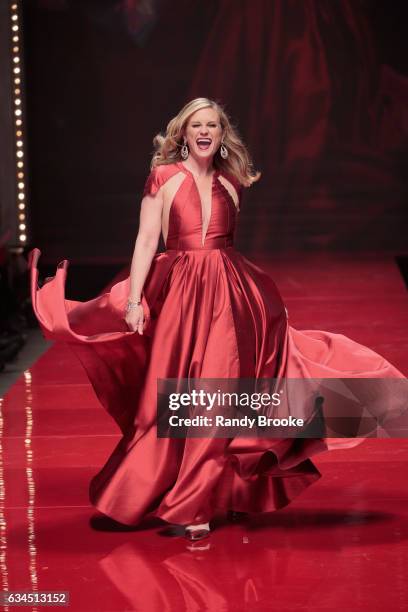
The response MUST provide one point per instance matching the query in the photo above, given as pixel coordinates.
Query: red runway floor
(342, 545)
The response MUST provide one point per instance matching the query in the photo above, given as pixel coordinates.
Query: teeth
(204, 140)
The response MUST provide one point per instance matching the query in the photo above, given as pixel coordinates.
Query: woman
(199, 309)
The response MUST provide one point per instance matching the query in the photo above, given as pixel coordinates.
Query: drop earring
(184, 150)
(223, 151)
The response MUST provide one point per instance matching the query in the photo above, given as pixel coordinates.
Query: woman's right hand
(136, 319)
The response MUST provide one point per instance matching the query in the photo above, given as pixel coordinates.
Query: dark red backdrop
(317, 88)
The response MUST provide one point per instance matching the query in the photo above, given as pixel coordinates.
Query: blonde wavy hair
(167, 147)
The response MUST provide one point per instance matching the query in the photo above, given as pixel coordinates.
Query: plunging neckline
(183, 167)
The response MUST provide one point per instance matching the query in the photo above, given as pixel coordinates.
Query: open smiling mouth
(203, 143)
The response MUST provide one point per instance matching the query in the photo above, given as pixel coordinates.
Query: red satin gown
(212, 313)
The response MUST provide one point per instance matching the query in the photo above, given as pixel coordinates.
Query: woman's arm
(145, 249)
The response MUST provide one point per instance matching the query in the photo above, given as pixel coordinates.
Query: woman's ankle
(198, 526)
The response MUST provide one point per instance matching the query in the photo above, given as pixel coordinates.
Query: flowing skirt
(211, 314)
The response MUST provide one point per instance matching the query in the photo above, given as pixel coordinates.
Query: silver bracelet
(131, 304)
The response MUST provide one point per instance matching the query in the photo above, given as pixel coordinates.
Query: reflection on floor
(343, 544)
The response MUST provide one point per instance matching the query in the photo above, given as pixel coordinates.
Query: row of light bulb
(18, 118)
